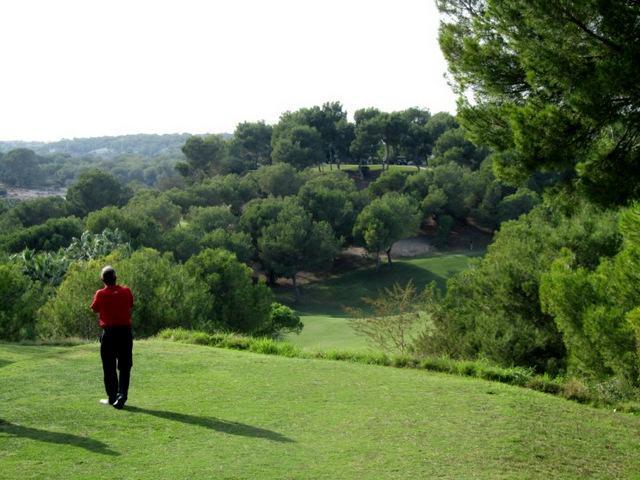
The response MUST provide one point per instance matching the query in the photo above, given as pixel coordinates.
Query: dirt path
(30, 193)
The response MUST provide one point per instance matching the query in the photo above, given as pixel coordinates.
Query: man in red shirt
(113, 303)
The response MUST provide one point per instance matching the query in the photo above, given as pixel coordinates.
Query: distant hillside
(146, 145)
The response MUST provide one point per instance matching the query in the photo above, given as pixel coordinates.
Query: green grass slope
(198, 412)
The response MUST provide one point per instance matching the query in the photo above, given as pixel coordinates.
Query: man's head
(108, 275)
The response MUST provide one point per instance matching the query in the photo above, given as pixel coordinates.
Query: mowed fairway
(198, 412)
(322, 302)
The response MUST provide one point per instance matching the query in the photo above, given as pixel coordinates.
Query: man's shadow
(232, 428)
(55, 437)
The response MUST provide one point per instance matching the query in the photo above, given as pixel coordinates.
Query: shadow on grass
(232, 428)
(55, 437)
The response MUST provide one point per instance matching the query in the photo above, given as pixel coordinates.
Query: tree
(453, 146)
(36, 211)
(259, 213)
(240, 306)
(385, 220)
(52, 235)
(299, 146)
(493, 310)
(417, 143)
(154, 204)
(294, 242)
(596, 310)
(389, 181)
(94, 190)
(254, 141)
(554, 87)
(205, 157)
(20, 297)
(394, 129)
(20, 168)
(279, 180)
(367, 135)
(330, 121)
(207, 219)
(331, 198)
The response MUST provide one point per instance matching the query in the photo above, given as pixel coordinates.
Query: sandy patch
(31, 193)
(411, 247)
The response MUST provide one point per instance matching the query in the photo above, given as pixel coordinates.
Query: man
(113, 303)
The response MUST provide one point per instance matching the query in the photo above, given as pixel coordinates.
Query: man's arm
(95, 307)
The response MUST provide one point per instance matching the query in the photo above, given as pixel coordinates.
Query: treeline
(308, 137)
(264, 201)
(145, 145)
(549, 88)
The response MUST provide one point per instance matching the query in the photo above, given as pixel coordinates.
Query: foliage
(140, 231)
(231, 190)
(295, 242)
(37, 211)
(253, 140)
(67, 314)
(205, 157)
(51, 235)
(97, 245)
(597, 309)
(279, 180)
(493, 310)
(156, 205)
(299, 146)
(20, 168)
(384, 221)
(237, 242)
(20, 297)
(395, 317)
(238, 304)
(165, 296)
(94, 190)
(48, 268)
(331, 198)
(282, 320)
(553, 87)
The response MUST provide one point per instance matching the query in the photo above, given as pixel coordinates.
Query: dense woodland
(543, 152)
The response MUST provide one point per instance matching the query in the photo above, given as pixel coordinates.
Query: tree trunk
(388, 252)
(386, 157)
(296, 292)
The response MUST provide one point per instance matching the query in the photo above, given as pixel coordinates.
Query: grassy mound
(201, 412)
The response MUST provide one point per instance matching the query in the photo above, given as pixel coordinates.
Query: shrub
(20, 297)
(164, 295)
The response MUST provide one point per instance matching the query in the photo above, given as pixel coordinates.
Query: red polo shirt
(114, 304)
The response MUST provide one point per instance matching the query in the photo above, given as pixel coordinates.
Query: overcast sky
(87, 68)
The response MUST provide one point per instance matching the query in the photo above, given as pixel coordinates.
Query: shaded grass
(322, 301)
(200, 412)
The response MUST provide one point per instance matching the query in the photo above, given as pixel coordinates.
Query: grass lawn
(198, 412)
(322, 302)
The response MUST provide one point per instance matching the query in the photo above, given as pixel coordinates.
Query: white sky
(87, 68)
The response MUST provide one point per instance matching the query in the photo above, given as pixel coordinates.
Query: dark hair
(108, 275)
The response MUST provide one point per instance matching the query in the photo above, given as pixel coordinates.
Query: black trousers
(116, 351)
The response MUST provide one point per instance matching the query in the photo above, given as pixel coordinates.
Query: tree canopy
(551, 85)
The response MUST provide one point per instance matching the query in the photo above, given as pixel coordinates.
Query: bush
(20, 297)
(239, 305)
(164, 295)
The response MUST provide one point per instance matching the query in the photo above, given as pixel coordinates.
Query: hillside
(198, 412)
